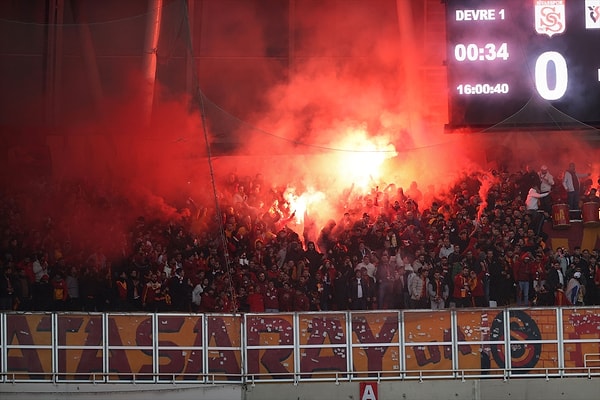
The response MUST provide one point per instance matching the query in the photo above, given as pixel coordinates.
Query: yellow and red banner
(277, 346)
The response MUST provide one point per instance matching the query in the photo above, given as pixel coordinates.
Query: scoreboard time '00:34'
(523, 63)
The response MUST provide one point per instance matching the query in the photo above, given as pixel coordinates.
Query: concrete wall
(48, 391)
(490, 389)
(521, 389)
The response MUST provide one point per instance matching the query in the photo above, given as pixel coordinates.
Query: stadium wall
(475, 389)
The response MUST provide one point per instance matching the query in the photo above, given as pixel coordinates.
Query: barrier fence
(499, 343)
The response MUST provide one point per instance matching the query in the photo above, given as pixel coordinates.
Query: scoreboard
(523, 64)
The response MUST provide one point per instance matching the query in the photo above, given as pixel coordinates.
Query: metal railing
(295, 377)
(343, 346)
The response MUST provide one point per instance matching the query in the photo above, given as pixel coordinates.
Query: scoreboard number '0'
(543, 63)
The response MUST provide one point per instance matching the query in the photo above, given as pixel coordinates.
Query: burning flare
(360, 160)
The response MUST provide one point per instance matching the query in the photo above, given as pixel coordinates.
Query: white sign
(368, 391)
(550, 17)
(592, 14)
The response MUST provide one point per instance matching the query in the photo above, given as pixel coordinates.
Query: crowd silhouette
(478, 243)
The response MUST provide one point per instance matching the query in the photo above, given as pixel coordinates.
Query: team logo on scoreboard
(550, 17)
(592, 14)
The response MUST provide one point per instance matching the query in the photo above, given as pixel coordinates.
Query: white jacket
(531, 202)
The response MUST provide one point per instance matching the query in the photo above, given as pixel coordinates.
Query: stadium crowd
(479, 243)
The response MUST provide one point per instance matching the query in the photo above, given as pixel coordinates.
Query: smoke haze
(324, 98)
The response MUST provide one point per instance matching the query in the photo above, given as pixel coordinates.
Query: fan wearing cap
(546, 183)
(575, 290)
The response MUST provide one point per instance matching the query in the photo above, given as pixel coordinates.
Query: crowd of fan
(474, 245)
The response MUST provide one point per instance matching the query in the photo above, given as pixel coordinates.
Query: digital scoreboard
(520, 64)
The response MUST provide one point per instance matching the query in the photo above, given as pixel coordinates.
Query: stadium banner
(224, 347)
(270, 346)
(323, 344)
(375, 343)
(428, 341)
(533, 340)
(581, 337)
(180, 343)
(80, 346)
(28, 348)
(213, 347)
(130, 350)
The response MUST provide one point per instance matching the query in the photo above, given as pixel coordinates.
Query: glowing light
(355, 163)
(301, 204)
(363, 157)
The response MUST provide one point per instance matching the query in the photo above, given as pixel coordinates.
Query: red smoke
(340, 102)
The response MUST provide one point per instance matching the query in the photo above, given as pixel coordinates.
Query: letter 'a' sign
(368, 391)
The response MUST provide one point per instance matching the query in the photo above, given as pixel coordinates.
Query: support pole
(53, 60)
(149, 61)
(404, 10)
(89, 56)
